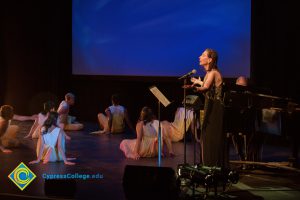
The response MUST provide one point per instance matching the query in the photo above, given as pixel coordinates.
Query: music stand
(161, 99)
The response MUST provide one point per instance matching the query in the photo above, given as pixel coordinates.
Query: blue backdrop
(159, 37)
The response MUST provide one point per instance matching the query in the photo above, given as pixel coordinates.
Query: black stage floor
(101, 155)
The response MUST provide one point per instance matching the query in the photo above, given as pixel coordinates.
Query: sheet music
(155, 91)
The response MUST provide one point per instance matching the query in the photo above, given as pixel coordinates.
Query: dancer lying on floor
(176, 128)
(51, 147)
(8, 132)
(146, 143)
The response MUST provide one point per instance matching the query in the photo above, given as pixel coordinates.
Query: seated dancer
(146, 143)
(67, 122)
(115, 118)
(52, 143)
(8, 132)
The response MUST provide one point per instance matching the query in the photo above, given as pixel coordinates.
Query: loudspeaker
(144, 182)
(60, 187)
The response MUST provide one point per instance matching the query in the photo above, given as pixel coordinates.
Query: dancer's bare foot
(100, 132)
(95, 133)
(34, 162)
(69, 163)
(6, 151)
(104, 132)
(71, 159)
(45, 161)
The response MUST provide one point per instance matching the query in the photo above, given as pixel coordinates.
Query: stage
(100, 155)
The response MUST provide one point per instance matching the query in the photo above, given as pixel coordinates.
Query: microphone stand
(159, 136)
(184, 105)
(184, 77)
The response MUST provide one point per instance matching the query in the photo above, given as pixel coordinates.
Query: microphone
(188, 74)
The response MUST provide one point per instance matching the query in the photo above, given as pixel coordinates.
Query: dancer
(146, 143)
(52, 145)
(176, 128)
(115, 118)
(7, 132)
(67, 122)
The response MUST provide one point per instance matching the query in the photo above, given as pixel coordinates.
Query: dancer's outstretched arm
(24, 118)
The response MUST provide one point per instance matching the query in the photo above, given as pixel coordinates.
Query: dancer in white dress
(146, 143)
(176, 128)
(52, 142)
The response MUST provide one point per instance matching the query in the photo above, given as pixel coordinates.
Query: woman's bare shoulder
(140, 123)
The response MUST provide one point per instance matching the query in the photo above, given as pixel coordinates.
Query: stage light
(207, 176)
(195, 174)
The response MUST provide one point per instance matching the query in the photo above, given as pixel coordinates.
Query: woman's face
(204, 60)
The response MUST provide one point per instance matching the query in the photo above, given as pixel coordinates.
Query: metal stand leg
(245, 147)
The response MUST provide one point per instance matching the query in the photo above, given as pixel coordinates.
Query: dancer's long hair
(146, 115)
(51, 120)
